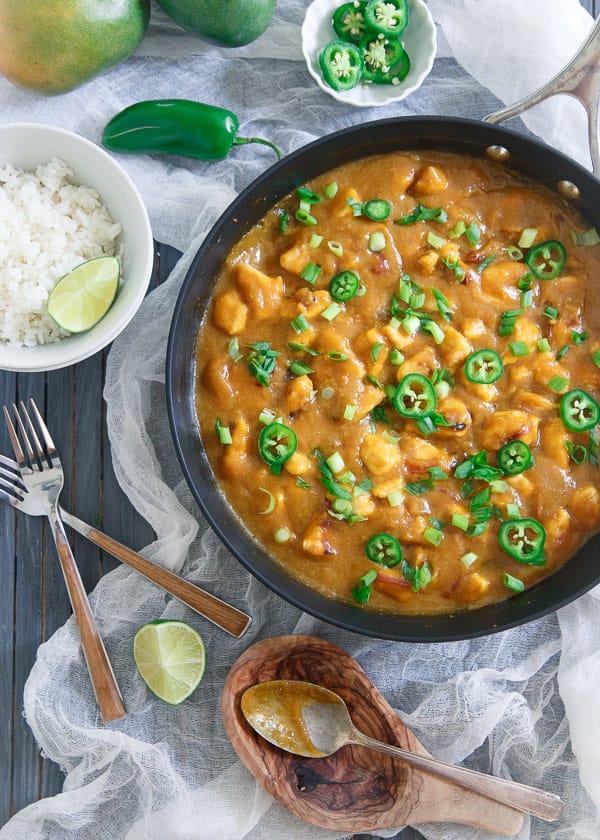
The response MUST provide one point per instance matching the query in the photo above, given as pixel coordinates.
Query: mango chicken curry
(398, 382)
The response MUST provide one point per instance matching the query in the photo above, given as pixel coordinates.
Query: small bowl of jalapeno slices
(369, 52)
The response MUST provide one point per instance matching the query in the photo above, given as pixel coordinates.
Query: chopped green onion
(558, 383)
(233, 349)
(328, 392)
(596, 358)
(376, 350)
(305, 206)
(411, 325)
(305, 194)
(551, 312)
(262, 361)
(377, 241)
(420, 213)
(578, 337)
(437, 474)
(518, 348)
(468, 559)
(224, 433)
(435, 241)
(335, 462)
(442, 389)
(374, 380)
(396, 498)
(362, 290)
(498, 485)
(593, 446)
(336, 356)
(355, 205)
(527, 238)
(486, 262)
(587, 237)
(301, 348)
(433, 535)
(305, 217)
(342, 506)
(458, 230)
(526, 298)
(442, 305)
(361, 592)
(335, 248)
(332, 311)
(455, 268)
(513, 511)
(543, 345)
(435, 331)
(349, 412)
(562, 352)
(347, 478)
(271, 504)
(473, 234)
(315, 240)
(578, 454)
(299, 324)
(302, 483)
(514, 253)
(310, 272)
(396, 357)
(330, 190)
(481, 498)
(284, 221)
(363, 487)
(525, 282)
(460, 520)
(266, 416)
(282, 535)
(299, 369)
(390, 436)
(513, 583)
(405, 287)
(426, 425)
(418, 488)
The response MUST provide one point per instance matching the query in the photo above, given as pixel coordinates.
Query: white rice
(48, 226)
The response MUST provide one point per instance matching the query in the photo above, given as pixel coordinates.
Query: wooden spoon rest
(357, 789)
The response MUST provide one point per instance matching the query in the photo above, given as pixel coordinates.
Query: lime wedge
(170, 657)
(83, 296)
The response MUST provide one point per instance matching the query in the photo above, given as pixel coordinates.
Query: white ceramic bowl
(27, 144)
(419, 40)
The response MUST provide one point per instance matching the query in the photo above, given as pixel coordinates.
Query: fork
(41, 475)
(223, 615)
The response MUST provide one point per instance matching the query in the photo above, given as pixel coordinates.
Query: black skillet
(528, 156)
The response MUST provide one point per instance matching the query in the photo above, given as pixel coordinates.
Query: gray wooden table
(33, 600)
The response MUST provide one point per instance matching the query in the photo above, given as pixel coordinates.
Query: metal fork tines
(41, 480)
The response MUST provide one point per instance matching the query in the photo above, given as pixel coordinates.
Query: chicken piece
(230, 313)
(525, 330)
(363, 505)
(456, 412)
(367, 399)
(400, 177)
(570, 318)
(339, 204)
(300, 392)
(536, 403)
(420, 454)
(364, 344)
(315, 539)
(392, 583)
(545, 368)
(298, 464)
(234, 454)
(423, 362)
(499, 280)
(312, 302)
(554, 440)
(454, 348)
(398, 338)
(262, 294)
(498, 428)
(473, 328)
(383, 487)
(379, 456)
(216, 379)
(520, 376)
(428, 262)
(584, 506)
(486, 393)
(412, 529)
(522, 485)
(473, 586)
(430, 180)
(557, 531)
(295, 258)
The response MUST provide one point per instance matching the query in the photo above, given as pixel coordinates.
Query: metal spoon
(308, 720)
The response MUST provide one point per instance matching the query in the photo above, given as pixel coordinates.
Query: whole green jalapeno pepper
(176, 127)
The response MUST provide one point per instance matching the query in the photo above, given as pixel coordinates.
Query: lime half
(83, 296)
(170, 657)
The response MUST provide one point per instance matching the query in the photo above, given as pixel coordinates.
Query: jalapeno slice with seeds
(276, 445)
(579, 411)
(515, 457)
(349, 21)
(384, 549)
(547, 260)
(484, 366)
(380, 54)
(523, 540)
(344, 285)
(377, 209)
(415, 397)
(387, 16)
(342, 65)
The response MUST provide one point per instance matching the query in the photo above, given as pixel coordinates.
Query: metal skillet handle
(580, 79)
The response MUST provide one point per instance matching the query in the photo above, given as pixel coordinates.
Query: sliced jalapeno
(379, 55)
(342, 65)
(484, 366)
(344, 285)
(523, 540)
(547, 260)
(377, 209)
(387, 16)
(349, 21)
(415, 397)
(276, 445)
(579, 411)
(515, 457)
(384, 549)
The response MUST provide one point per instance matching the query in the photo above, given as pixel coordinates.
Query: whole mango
(230, 23)
(54, 46)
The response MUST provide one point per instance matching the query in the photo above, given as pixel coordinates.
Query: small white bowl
(419, 40)
(25, 145)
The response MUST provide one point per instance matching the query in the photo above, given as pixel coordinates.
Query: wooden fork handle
(228, 618)
(103, 679)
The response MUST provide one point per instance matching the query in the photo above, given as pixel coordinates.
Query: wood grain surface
(356, 789)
